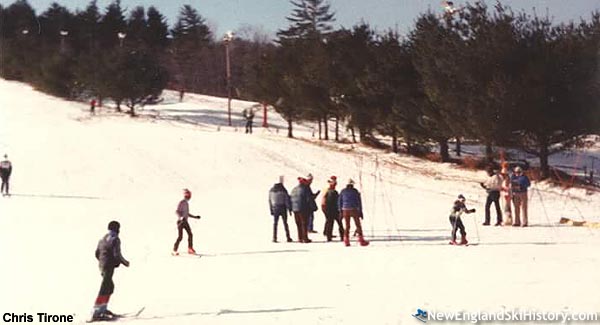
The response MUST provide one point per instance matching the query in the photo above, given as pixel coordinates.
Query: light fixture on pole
(63, 35)
(121, 38)
(227, 41)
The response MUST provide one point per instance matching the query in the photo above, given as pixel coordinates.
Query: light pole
(63, 35)
(227, 40)
(121, 38)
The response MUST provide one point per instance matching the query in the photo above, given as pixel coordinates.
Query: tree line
(480, 73)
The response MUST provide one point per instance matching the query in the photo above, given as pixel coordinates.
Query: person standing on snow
(507, 196)
(249, 115)
(330, 209)
(301, 206)
(458, 209)
(5, 171)
(350, 206)
(313, 206)
(519, 184)
(492, 185)
(280, 204)
(108, 253)
(183, 212)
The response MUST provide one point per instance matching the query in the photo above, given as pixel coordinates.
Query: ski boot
(463, 241)
(362, 241)
(346, 241)
(191, 251)
(175, 253)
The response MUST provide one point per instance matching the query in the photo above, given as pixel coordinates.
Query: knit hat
(350, 181)
(187, 192)
(461, 197)
(518, 169)
(332, 180)
(114, 226)
(309, 177)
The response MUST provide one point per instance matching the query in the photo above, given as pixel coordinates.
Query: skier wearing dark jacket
(350, 206)
(108, 253)
(301, 206)
(5, 171)
(280, 204)
(330, 209)
(183, 213)
(458, 209)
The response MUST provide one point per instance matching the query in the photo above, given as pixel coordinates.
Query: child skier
(458, 209)
(109, 257)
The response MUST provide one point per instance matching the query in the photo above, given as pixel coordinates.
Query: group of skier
(301, 203)
(514, 191)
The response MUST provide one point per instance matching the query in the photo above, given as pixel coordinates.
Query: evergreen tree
(136, 28)
(112, 23)
(157, 30)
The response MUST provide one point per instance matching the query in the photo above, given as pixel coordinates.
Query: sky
(269, 15)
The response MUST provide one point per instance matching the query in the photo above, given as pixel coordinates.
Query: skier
(5, 171)
(329, 207)
(457, 209)
(310, 226)
(183, 212)
(93, 106)
(249, 115)
(350, 206)
(506, 194)
(279, 203)
(519, 184)
(492, 185)
(300, 200)
(109, 257)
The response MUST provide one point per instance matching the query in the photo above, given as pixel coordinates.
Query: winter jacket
(458, 208)
(329, 204)
(493, 183)
(301, 198)
(183, 210)
(519, 184)
(349, 199)
(313, 196)
(279, 200)
(108, 251)
(5, 168)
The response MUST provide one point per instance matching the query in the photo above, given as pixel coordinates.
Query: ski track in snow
(73, 173)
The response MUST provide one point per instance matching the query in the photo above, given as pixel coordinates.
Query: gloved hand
(361, 215)
(471, 211)
(483, 186)
(126, 263)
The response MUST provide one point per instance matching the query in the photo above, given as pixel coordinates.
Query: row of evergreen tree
(485, 74)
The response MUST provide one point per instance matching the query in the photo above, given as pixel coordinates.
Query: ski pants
(493, 197)
(310, 221)
(181, 225)
(283, 216)
(5, 187)
(354, 214)
(248, 126)
(520, 202)
(330, 218)
(456, 225)
(301, 221)
(107, 287)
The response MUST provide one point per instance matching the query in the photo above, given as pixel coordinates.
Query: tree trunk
(319, 129)
(290, 135)
(337, 129)
(489, 153)
(544, 153)
(119, 105)
(444, 154)
(458, 146)
(353, 135)
(325, 124)
(395, 143)
(362, 134)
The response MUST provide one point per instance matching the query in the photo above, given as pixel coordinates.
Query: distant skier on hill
(5, 171)
(350, 207)
(280, 204)
(183, 213)
(108, 253)
(458, 209)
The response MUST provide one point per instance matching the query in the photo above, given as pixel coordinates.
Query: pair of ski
(453, 243)
(116, 317)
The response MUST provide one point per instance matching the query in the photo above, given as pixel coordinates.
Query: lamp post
(227, 41)
(63, 35)
(121, 38)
